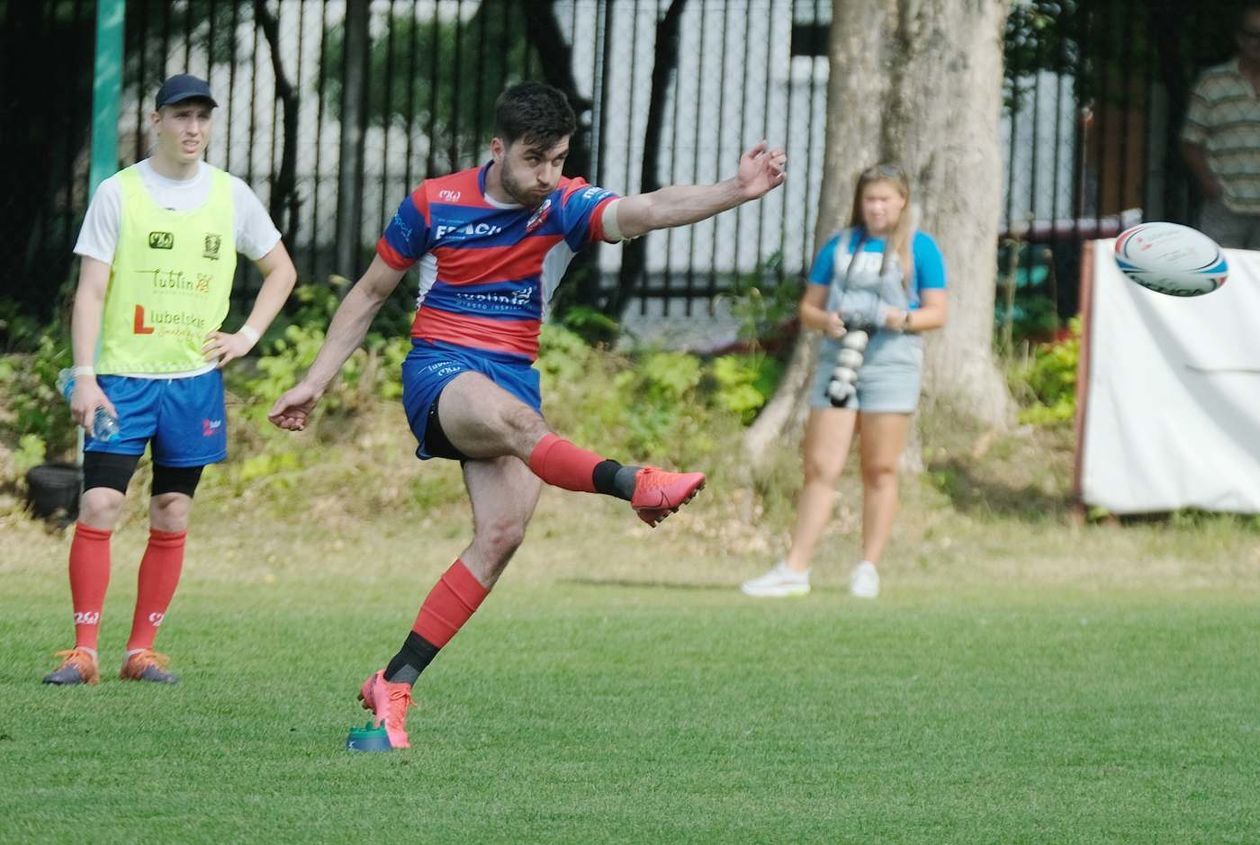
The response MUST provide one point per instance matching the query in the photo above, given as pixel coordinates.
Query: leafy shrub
(33, 407)
(1047, 381)
(745, 383)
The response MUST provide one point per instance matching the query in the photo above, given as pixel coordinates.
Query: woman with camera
(874, 288)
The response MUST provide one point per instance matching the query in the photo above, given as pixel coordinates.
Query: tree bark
(919, 83)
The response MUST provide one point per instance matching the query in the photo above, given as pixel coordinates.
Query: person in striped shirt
(1221, 140)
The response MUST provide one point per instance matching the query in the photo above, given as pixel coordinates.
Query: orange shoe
(388, 703)
(147, 665)
(78, 666)
(658, 493)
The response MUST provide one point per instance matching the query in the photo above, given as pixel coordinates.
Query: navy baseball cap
(183, 86)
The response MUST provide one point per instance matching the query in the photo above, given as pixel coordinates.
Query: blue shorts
(430, 366)
(184, 418)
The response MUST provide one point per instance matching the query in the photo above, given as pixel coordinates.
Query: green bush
(33, 408)
(1046, 383)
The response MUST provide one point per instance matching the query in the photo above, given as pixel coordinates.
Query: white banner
(1171, 393)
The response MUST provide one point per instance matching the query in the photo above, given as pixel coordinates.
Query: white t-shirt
(256, 235)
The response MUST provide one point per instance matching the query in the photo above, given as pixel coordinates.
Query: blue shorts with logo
(430, 366)
(184, 418)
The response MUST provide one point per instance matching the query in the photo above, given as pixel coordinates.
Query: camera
(842, 388)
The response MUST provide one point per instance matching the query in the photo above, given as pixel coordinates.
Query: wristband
(905, 321)
(249, 332)
(84, 371)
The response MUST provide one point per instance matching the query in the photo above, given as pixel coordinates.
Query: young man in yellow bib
(158, 250)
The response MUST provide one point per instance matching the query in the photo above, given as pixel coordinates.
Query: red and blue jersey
(487, 269)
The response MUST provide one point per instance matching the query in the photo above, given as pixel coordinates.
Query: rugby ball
(1172, 259)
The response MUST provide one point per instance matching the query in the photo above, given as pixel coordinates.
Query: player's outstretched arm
(279, 277)
(346, 331)
(761, 170)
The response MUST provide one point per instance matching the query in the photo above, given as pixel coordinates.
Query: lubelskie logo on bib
(212, 247)
(161, 240)
(209, 428)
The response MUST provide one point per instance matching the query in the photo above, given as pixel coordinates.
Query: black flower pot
(53, 490)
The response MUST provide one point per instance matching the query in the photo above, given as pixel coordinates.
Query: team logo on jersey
(538, 217)
(212, 247)
(161, 240)
(209, 428)
(449, 196)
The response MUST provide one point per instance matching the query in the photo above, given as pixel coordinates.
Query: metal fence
(334, 109)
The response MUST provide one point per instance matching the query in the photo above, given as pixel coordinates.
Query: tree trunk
(919, 83)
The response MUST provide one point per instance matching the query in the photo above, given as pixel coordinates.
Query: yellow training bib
(170, 280)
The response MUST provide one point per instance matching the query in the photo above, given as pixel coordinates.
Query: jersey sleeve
(582, 209)
(256, 233)
(929, 264)
(99, 236)
(406, 238)
(821, 271)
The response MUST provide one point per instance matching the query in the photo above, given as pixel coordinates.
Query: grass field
(1019, 681)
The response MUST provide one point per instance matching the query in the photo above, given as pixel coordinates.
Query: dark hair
(534, 112)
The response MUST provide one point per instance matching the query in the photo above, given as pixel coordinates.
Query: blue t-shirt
(929, 264)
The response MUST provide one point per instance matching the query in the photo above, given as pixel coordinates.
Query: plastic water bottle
(104, 424)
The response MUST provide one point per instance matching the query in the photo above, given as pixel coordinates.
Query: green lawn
(642, 699)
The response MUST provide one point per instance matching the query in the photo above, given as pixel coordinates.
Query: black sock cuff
(605, 477)
(412, 659)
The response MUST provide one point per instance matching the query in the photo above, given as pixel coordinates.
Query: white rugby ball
(1172, 259)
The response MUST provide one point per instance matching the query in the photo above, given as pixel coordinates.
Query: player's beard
(517, 192)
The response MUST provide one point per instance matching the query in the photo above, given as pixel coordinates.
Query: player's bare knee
(525, 427)
(170, 511)
(500, 538)
(100, 507)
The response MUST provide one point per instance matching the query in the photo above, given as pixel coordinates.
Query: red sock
(450, 604)
(89, 579)
(561, 464)
(159, 574)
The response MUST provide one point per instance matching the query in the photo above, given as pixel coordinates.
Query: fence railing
(334, 109)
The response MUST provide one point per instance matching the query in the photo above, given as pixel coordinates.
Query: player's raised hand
(761, 170)
(293, 409)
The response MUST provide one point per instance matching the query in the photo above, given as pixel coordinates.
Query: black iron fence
(333, 109)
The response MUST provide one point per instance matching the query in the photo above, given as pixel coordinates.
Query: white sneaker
(864, 581)
(778, 583)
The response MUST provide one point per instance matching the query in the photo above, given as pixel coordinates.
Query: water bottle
(104, 424)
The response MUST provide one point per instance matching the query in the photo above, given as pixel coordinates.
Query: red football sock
(561, 464)
(159, 574)
(89, 579)
(450, 604)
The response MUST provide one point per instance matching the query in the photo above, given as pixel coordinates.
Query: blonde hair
(899, 241)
